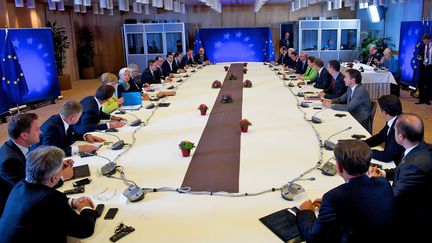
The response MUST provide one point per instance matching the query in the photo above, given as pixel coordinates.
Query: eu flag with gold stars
(12, 77)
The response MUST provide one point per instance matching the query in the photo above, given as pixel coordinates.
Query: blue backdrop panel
(35, 51)
(409, 46)
(237, 44)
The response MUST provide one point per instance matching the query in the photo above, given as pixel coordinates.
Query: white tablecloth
(280, 146)
(377, 82)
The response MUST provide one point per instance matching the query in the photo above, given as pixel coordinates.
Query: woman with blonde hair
(113, 103)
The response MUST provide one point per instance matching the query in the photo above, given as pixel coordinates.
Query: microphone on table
(315, 118)
(135, 123)
(300, 93)
(329, 145)
(292, 190)
(117, 145)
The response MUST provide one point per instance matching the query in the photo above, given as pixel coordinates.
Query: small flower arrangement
(227, 98)
(232, 76)
(245, 64)
(245, 70)
(202, 107)
(186, 147)
(185, 144)
(216, 84)
(244, 122)
(226, 68)
(244, 125)
(247, 83)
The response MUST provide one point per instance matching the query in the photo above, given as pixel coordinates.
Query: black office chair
(372, 112)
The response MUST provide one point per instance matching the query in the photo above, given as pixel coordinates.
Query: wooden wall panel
(238, 16)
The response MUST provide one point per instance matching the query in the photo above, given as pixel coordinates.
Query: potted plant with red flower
(227, 98)
(216, 84)
(226, 68)
(247, 83)
(245, 64)
(186, 147)
(203, 108)
(245, 70)
(232, 76)
(244, 124)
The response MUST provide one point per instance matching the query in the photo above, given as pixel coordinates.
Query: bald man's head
(410, 126)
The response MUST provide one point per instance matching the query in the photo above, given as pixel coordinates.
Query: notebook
(132, 98)
(81, 171)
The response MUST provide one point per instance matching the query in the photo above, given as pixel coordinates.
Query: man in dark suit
(150, 74)
(188, 59)
(356, 99)
(201, 57)
(302, 63)
(23, 130)
(425, 59)
(92, 112)
(168, 66)
(291, 62)
(374, 57)
(58, 131)
(337, 85)
(360, 210)
(135, 85)
(35, 212)
(391, 108)
(286, 41)
(324, 78)
(412, 180)
(282, 57)
(178, 62)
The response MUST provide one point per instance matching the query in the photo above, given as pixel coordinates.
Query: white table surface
(279, 146)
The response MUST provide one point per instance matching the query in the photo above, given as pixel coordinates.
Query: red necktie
(333, 84)
(427, 52)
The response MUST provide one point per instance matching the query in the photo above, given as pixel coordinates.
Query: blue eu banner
(197, 42)
(13, 80)
(237, 44)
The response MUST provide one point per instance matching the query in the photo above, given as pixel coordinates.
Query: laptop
(132, 100)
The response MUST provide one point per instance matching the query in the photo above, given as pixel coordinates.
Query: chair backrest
(372, 112)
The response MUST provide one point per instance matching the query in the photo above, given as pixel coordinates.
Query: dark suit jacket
(166, 69)
(360, 210)
(91, 116)
(323, 80)
(338, 90)
(300, 68)
(200, 60)
(187, 61)
(53, 134)
(148, 78)
(178, 64)
(37, 213)
(289, 62)
(12, 169)
(369, 59)
(285, 42)
(412, 188)
(282, 59)
(135, 85)
(392, 150)
(359, 105)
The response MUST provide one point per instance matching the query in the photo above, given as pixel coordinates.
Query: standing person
(36, 212)
(286, 41)
(356, 99)
(391, 108)
(412, 180)
(425, 82)
(360, 210)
